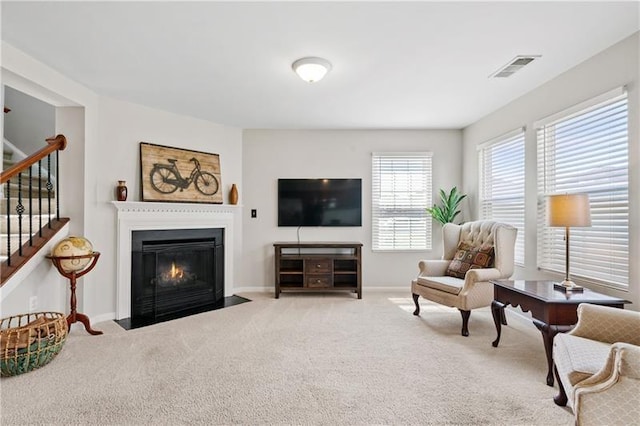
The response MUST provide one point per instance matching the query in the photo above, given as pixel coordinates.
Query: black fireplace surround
(175, 272)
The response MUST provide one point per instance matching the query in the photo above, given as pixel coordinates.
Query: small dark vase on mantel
(121, 191)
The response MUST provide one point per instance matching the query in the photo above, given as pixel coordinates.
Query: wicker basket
(30, 341)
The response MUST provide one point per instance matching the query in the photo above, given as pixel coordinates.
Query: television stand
(318, 267)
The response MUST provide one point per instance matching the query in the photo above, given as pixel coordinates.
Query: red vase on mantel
(121, 191)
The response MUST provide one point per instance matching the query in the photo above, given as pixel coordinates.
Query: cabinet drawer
(318, 266)
(318, 281)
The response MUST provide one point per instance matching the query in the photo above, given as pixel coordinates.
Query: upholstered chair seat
(597, 365)
(458, 282)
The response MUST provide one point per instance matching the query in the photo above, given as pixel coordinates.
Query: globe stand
(75, 316)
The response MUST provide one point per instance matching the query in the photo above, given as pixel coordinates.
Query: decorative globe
(73, 246)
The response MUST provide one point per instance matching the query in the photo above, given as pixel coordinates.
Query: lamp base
(567, 286)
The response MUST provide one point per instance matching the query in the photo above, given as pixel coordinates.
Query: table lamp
(568, 210)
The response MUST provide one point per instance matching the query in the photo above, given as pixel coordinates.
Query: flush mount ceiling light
(311, 69)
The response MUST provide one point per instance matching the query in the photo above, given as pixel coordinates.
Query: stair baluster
(16, 207)
(49, 188)
(57, 185)
(20, 211)
(40, 197)
(8, 193)
(30, 207)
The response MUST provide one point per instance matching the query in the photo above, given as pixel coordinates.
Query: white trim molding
(139, 216)
(589, 103)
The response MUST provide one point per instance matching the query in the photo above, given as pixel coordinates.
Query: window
(401, 191)
(586, 150)
(502, 184)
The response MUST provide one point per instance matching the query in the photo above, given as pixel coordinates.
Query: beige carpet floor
(301, 359)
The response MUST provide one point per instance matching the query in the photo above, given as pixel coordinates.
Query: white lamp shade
(311, 69)
(568, 210)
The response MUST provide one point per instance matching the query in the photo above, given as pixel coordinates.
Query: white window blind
(587, 151)
(401, 192)
(502, 184)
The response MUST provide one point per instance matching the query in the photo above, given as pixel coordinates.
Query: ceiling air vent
(514, 66)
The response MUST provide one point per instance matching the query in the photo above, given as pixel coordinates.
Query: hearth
(175, 273)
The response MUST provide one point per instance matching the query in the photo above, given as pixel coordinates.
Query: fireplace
(175, 272)
(134, 216)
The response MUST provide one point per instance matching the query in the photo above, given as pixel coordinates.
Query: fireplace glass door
(175, 273)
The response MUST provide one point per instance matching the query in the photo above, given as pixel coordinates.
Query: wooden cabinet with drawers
(304, 267)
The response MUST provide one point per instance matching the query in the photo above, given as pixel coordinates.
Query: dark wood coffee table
(553, 310)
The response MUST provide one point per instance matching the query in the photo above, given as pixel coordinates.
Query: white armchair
(597, 365)
(474, 290)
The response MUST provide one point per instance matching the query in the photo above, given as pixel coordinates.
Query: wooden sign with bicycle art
(179, 175)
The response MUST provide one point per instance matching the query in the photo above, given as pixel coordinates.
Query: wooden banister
(21, 206)
(53, 144)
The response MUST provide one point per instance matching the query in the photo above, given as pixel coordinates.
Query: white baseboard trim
(253, 290)
(404, 289)
(271, 289)
(103, 317)
(110, 316)
(513, 312)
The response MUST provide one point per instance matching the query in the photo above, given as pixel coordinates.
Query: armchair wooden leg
(465, 322)
(415, 300)
(561, 398)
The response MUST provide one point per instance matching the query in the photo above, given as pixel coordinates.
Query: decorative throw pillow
(469, 257)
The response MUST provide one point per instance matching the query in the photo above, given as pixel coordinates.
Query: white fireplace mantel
(142, 216)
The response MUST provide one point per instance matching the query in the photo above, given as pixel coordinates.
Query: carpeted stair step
(34, 180)
(7, 158)
(7, 153)
(14, 220)
(25, 202)
(15, 243)
(13, 188)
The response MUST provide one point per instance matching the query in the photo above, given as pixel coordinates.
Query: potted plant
(449, 209)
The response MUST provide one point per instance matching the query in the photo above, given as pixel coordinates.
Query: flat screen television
(319, 202)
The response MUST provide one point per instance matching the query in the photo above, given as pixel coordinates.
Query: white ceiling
(395, 65)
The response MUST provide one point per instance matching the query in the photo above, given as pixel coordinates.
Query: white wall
(272, 154)
(29, 76)
(115, 155)
(69, 121)
(255, 160)
(39, 280)
(614, 67)
(29, 123)
(104, 148)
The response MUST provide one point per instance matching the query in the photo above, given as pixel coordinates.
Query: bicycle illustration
(166, 178)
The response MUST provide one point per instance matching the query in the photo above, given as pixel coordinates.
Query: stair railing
(14, 174)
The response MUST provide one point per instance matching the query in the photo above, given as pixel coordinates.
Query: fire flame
(176, 272)
(174, 276)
